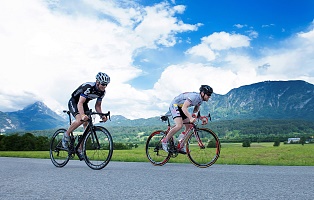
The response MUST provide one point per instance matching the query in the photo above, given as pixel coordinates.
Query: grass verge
(231, 153)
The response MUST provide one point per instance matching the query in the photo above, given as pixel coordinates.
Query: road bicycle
(96, 143)
(202, 145)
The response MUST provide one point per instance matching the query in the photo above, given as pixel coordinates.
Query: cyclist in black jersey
(78, 104)
(180, 114)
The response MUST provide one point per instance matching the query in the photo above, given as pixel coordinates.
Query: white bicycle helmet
(103, 78)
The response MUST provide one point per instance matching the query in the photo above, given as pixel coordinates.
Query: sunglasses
(104, 84)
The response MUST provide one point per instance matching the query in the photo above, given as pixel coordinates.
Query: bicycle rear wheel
(58, 155)
(98, 148)
(203, 147)
(154, 152)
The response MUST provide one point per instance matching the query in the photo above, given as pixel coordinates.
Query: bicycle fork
(199, 141)
(94, 139)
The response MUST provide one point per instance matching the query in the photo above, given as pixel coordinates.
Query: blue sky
(153, 50)
(273, 21)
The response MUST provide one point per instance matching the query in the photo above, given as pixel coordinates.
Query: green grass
(267, 154)
(231, 153)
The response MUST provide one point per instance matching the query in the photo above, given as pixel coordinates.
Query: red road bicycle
(202, 145)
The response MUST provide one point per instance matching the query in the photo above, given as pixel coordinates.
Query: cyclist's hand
(204, 120)
(84, 117)
(192, 120)
(104, 118)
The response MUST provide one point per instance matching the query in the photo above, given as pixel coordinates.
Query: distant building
(293, 140)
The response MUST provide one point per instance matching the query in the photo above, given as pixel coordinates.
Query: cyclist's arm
(98, 106)
(185, 106)
(99, 110)
(196, 108)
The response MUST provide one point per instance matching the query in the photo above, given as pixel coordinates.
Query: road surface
(25, 178)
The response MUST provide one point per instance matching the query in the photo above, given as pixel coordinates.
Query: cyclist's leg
(66, 136)
(77, 122)
(178, 117)
(178, 125)
(181, 144)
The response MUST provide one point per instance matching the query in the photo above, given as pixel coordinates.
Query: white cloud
(211, 45)
(240, 25)
(189, 77)
(202, 50)
(252, 33)
(49, 48)
(159, 26)
(291, 60)
(48, 51)
(223, 40)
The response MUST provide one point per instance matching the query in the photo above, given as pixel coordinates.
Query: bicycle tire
(154, 152)
(58, 155)
(98, 148)
(209, 153)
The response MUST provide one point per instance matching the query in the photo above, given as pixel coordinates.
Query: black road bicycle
(202, 145)
(96, 143)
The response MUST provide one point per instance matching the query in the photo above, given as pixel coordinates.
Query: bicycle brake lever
(210, 118)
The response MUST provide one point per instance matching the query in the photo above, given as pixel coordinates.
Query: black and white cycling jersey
(88, 90)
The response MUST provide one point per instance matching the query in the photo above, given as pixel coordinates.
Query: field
(231, 153)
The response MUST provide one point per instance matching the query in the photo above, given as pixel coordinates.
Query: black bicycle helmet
(103, 78)
(206, 89)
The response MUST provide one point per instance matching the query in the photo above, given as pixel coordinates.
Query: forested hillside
(228, 130)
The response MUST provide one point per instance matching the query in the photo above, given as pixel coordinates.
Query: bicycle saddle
(164, 118)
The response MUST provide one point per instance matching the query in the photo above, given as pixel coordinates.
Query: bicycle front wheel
(98, 148)
(203, 147)
(58, 155)
(154, 152)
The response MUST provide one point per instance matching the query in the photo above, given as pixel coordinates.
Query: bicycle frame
(95, 142)
(191, 130)
(89, 128)
(80, 139)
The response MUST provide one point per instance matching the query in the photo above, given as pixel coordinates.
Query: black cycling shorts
(73, 107)
(176, 111)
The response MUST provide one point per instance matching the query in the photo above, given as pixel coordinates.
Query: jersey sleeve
(101, 97)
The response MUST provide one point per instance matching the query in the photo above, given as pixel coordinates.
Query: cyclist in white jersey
(78, 104)
(180, 114)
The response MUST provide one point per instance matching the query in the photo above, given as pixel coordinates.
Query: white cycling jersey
(175, 106)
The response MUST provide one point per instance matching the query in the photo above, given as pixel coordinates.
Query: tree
(276, 143)
(246, 143)
(302, 140)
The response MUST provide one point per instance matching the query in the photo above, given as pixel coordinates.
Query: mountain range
(263, 100)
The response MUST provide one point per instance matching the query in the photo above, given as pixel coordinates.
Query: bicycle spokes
(98, 148)
(58, 155)
(199, 141)
(154, 151)
(203, 148)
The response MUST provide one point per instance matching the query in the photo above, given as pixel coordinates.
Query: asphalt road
(23, 178)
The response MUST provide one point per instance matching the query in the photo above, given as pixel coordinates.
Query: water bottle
(180, 140)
